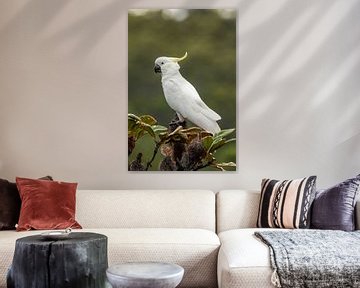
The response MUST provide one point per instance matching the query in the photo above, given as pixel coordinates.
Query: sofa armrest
(357, 215)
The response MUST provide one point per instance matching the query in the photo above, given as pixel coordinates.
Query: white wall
(63, 92)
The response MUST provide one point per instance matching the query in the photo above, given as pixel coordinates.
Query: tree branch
(156, 149)
(202, 166)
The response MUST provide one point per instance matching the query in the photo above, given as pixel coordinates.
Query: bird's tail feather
(208, 112)
(206, 123)
(216, 128)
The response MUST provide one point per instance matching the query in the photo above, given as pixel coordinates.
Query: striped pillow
(286, 204)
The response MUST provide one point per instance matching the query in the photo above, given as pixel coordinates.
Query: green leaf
(131, 125)
(138, 132)
(224, 133)
(148, 129)
(217, 140)
(148, 119)
(204, 134)
(230, 140)
(159, 128)
(207, 142)
(217, 144)
(134, 117)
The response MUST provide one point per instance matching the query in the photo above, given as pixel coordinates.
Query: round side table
(145, 275)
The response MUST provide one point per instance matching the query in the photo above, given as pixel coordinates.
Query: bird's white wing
(184, 99)
(187, 99)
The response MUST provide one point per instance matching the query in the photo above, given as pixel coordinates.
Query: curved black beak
(157, 69)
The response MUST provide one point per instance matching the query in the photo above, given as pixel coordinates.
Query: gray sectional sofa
(210, 235)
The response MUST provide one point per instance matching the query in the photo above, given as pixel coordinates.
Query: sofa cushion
(46, 204)
(286, 204)
(334, 208)
(194, 249)
(244, 261)
(153, 209)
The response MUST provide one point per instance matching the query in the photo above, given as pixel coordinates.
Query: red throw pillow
(46, 204)
(10, 204)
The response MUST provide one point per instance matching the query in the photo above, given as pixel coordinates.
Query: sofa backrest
(236, 209)
(239, 209)
(146, 209)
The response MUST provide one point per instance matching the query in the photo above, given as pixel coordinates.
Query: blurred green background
(209, 37)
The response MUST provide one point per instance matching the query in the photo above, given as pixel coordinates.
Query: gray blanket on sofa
(313, 258)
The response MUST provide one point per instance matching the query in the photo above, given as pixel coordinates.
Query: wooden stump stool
(78, 261)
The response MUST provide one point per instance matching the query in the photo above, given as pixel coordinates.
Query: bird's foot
(176, 122)
(182, 123)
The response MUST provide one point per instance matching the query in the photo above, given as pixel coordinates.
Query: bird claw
(176, 123)
(182, 123)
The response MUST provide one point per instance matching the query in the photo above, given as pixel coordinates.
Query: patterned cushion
(286, 204)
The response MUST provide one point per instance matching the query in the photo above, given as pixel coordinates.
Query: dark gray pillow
(334, 208)
(9, 205)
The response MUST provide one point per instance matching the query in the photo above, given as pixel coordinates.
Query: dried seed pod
(178, 150)
(131, 144)
(136, 165)
(196, 151)
(167, 164)
(166, 150)
(185, 161)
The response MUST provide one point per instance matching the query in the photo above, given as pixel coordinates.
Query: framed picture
(182, 90)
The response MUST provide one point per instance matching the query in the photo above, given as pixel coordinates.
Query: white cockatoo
(182, 96)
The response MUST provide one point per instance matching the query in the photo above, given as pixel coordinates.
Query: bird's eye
(162, 63)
